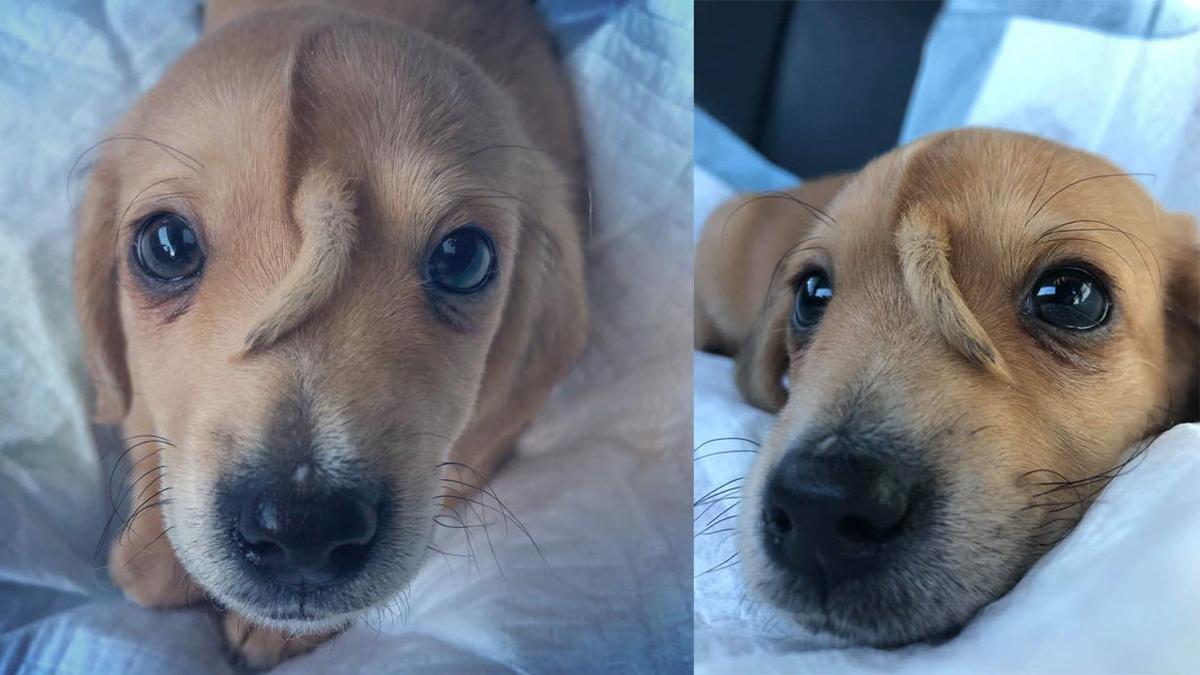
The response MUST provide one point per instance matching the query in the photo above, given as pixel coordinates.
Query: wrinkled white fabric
(597, 480)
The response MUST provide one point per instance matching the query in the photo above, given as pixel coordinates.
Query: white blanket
(1122, 593)
(598, 477)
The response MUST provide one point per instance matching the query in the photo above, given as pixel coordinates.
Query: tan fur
(740, 251)
(326, 221)
(931, 249)
(923, 244)
(320, 152)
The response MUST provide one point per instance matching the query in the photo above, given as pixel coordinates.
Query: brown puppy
(331, 251)
(974, 329)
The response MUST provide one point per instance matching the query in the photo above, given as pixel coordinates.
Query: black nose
(832, 517)
(296, 534)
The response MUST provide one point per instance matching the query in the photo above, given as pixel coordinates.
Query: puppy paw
(256, 648)
(143, 565)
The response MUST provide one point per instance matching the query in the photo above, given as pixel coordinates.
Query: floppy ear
(736, 308)
(543, 330)
(1183, 319)
(762, 358)
(742, 305)
(96, 295)
(548, 305)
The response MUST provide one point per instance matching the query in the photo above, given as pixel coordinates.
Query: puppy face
(974, 332)
(312, 241)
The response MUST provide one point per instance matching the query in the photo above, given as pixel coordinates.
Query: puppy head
(298, 262)
(976, 330)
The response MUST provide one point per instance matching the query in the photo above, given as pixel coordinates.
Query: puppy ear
(555, 295)
(1183, 319)
(742, 302)
(96, 295)
(543, 330)
(736, 304)
(762, 359)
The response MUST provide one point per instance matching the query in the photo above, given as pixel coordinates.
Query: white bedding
(597, 479)
(1122, 593)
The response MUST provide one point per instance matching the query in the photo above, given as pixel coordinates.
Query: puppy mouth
(305, 605)
(873, 609)
(299, 610)
(874, 593)
(869, 548)
(306, 551)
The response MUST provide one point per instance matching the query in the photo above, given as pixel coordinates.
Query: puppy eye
(812, 295)
(1071, 298)
(166, 248)
(464, 261)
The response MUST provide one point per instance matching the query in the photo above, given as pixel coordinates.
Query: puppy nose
(294, 536)
(833, 517)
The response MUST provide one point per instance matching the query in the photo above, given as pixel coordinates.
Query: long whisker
(488, 490)
(174, 153)
(717, 490)
(1077, 182)
(731, 561)
(725, 438)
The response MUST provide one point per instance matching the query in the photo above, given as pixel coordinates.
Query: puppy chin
(292, 618)
(300, 626)
(917, 600)
(885, 628)
(887, 632)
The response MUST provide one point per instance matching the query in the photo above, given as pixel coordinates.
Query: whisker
(129, 528)
(1087, 489)
(175, 153)
(487, 489)
(725, 452)
(719, 488)
(721, 514)
(709, 531)
(440, 551)
(1077, 182)
(1085, 240)
(148, 545)
(1133, 240)
(726, 438)
(117, 464)
(725, 564)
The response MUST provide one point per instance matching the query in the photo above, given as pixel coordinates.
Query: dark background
(816, 87)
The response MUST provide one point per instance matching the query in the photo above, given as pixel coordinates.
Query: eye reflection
(1071, 298)
(812, 296)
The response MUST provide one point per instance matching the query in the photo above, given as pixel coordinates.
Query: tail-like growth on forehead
(923, 242)
(324, 212)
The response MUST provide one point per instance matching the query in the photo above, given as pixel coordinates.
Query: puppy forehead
(953, 222)
(233, 134)
(258, 102)
(997, 192)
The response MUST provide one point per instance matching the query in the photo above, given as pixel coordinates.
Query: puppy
(974, 329)
(333, 252)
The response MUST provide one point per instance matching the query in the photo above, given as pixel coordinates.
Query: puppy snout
(831, 517)
(303, 534)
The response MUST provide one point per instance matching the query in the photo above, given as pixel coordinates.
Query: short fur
(321, 152)
(932, 249)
